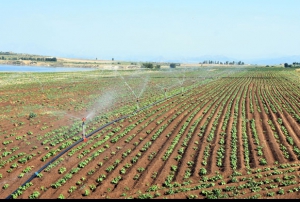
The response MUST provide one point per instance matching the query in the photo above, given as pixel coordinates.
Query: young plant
(72, 188)
(21, 175)
(86, 192)
(5, 186)
(92, 187)
(61, 196)
(62, 170)
(136, 177)
(34, 195)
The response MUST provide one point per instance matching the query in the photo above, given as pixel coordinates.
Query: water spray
(83, 130)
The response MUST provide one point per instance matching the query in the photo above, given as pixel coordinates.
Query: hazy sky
(151, 28)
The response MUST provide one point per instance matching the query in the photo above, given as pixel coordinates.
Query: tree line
(222, 63)
(7, 53)
(53, 59)
(149, 65)
(294, 64)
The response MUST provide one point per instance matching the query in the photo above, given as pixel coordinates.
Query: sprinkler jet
(83, 130)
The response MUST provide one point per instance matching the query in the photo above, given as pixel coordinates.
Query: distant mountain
(221, 58)
(198, 59)
(179, 59)
(275, 61)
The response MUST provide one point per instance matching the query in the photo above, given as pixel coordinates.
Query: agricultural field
(218, 132)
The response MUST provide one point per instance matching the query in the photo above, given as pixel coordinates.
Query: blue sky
(159, 29)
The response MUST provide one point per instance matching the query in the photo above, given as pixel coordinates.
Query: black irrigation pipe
(90, 134)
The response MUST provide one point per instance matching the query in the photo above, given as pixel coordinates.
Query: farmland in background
(218, 132)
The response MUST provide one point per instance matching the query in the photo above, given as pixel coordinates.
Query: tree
(172, 65)
(46, 59)
(286, 65)
(147, 65)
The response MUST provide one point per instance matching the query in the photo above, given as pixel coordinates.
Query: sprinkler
(83, 130)
(165, 93)
(194, 84)
(137, 103)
